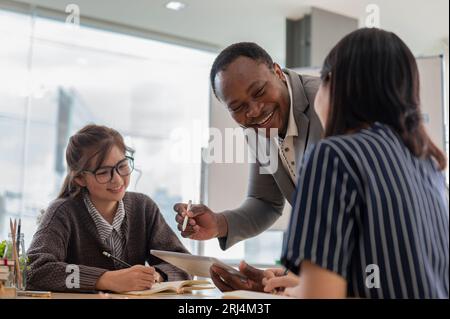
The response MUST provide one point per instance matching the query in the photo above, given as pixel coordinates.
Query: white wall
(327, 28)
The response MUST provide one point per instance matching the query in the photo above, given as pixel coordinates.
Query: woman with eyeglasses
(371, 216)
(94, 214)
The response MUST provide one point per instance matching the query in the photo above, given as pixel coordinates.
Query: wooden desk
(200, 294)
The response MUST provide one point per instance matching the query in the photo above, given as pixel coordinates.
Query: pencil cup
(7, 279)
(23, 263)
(7, 292)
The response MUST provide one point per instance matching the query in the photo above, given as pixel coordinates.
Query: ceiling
(422, 24)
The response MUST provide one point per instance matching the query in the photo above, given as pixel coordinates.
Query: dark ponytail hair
(373, 77)
(92, 141)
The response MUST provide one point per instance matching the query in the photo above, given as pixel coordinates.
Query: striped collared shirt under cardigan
(67, 239)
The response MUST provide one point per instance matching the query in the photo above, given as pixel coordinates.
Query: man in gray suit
(258, 95)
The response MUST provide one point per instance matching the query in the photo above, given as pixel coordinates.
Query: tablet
(194, 265)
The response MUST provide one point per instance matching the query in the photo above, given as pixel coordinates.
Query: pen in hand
(123, 263)
(157, 278)
(185, 221)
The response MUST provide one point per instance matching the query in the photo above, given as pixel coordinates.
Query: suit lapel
(284, 181)
(300, 105)
(281, 176)
(300, 140)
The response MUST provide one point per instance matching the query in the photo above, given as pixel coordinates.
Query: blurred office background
(141, 67)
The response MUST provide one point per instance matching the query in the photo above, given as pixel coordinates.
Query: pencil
(18, 235)
(123, 263)
(186, 218)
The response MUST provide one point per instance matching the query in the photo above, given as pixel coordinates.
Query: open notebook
(178, 287)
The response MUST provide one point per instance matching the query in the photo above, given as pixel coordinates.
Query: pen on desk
(39, 294)
(123, 263)
(186, 218)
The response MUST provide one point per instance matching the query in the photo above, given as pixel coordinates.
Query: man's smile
(266, 119)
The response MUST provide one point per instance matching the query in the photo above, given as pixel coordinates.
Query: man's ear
(279, 72)
(80, 180)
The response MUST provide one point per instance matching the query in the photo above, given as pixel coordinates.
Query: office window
(15, 30)
(62, 78)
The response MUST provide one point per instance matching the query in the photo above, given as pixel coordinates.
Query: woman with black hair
(371, 216)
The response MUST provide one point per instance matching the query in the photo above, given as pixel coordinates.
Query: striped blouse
(111, 234)
(370, 211)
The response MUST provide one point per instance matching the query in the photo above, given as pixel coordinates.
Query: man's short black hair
(228, 55)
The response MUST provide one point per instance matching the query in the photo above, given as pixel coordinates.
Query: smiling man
(259, 95)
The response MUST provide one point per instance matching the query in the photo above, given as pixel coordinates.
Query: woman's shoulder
(347, 146)
(338, 150)
(139, 200)
(339, 146)
(141, 207)
(59, 209)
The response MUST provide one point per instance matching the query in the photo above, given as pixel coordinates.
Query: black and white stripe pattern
(111, 235)
(364, 199)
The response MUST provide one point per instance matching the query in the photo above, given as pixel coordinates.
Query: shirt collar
(102, 225)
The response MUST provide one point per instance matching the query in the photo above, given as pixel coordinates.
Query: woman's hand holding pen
(276, 280)
(138, 277)
(202, 224)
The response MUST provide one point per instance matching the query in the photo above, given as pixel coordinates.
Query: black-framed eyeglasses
(105, 174)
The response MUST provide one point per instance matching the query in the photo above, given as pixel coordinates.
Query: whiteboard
(432, 96)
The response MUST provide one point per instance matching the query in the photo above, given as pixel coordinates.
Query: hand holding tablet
(195, 265)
